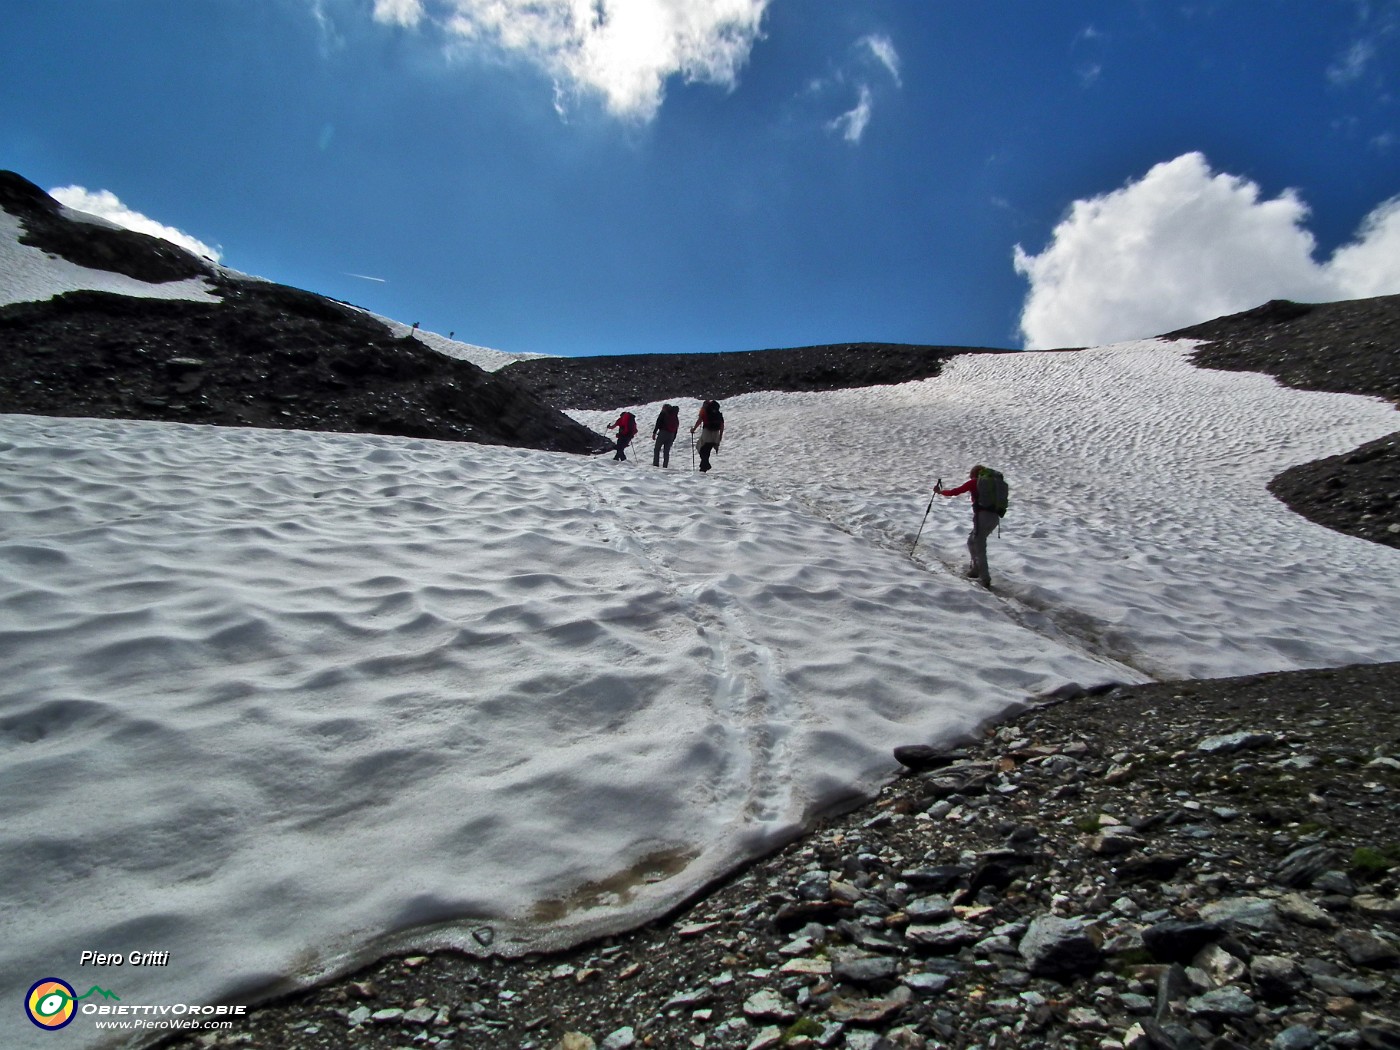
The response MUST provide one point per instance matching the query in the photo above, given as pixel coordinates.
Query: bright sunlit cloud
(1184, 244)
(622, 51)
(105, 205)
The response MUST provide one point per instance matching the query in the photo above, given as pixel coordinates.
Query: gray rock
(1335, 882)
(420, 1015)
(622, 1039)
(1304, 866)
(945, 937)
(1366, 949)
(1177, 940)
(1296, 1037)
(864, 969)
(1054, 946)
(1276, 978)
(927, 910)
(1232, 742)
(1222, 967)
(1254, 913)
(1297, 908)
(1222, 1004)
(690, 1000)
(1136, 1004)
(768, 1005)
(928, 983)
(1115, 841)
(359, 1015)
(766, 1039)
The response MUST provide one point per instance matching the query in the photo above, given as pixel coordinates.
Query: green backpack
(992, 491)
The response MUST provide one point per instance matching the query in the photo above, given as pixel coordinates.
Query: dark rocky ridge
(95, 246)
(266, 356)
(618, 381)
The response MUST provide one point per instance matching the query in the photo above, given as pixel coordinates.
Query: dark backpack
(992, 491)
(714, 418)
(669, 421)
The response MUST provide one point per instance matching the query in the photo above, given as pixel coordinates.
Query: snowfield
(275, 702)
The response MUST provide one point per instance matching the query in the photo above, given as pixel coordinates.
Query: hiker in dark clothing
(668, 424)
(985, 518)
(710, 423)
(626, 427)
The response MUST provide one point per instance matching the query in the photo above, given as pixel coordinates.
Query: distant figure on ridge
(989, 493)
(668, 424)
(710, 423)
(626, 427)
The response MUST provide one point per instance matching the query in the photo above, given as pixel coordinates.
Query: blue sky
(698, 175)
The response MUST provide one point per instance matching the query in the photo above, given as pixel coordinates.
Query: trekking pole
(692, 452)
(937, 488)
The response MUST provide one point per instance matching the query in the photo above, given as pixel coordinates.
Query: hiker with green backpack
(989, 492)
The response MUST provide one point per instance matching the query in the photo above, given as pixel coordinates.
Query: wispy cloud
(377, 280)
(1184, 244)
(1089, 69)
(105, 205)
(853, 122)
(882, 47)
(1370, 53)
(619, 51)
(873, 58)
(1352, 66)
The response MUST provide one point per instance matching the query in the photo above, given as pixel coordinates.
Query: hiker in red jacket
(985, 518)
(710, 423)
(626, 427)
(668, 424)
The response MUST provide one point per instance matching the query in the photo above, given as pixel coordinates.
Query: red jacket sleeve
(966, 486)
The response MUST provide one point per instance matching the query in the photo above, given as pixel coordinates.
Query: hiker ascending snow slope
(626, 427)
(668, 423)
(989, 494)
(710, 423)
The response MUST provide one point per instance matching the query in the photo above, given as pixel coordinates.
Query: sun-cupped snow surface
(274, 702)
(272, 699)
(29, 274)
(1140, 521)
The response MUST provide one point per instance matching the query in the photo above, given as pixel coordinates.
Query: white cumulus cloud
(622, 51)
(1185, 244)
(105, 205)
